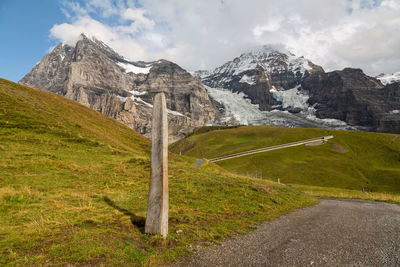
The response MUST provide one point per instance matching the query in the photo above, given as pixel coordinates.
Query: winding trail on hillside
(335, 232)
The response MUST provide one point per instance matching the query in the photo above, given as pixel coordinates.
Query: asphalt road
(335, 232)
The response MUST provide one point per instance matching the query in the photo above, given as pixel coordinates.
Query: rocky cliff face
(96, 76)
(351, 96)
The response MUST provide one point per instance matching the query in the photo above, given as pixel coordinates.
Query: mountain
(93, 74)
(266, 85)
(256, 72)
(270, 85)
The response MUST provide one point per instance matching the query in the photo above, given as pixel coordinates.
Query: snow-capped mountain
(268, 85)
(258, 71)
(263, 86)
(273, 62)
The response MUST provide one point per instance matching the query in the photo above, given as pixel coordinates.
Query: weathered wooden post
(157, 209)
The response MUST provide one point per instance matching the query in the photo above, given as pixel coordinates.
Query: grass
(351, 161)
(74, 185)
(318, 191)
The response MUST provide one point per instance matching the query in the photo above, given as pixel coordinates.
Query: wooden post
(157, 208)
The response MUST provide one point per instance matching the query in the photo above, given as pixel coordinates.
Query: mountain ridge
(266, 85)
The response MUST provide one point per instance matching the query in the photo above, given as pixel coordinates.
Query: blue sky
(205, 34)
(24, 28)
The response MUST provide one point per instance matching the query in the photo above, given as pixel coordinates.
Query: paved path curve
(336, 232)
(264, 149)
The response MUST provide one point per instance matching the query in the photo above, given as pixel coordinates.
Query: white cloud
(198, 34)
(138, 21)
(69, 33)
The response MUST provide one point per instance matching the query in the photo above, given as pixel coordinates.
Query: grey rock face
(93, 74)
(351, 96)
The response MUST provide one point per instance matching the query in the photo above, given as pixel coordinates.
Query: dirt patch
(339, 149)
(316, 143)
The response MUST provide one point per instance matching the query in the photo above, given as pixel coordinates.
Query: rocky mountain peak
(351, 78)
(95, 75)
(268, 63)
(85, 41)
(266, 51)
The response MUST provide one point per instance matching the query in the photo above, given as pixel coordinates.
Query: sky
(205, 34)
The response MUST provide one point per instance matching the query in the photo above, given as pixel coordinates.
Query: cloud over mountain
(204, 34)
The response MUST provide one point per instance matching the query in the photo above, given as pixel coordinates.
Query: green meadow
(74, 185)
(352, 160)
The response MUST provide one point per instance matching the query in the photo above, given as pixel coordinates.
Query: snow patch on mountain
(298, 64)
(122, 98)
(175, 113)
(389, 78)
(247, 79)
(135, 98)
(329, 123)
(134, 69)
(134, 92)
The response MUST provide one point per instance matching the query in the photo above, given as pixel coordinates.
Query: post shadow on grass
(137, 221)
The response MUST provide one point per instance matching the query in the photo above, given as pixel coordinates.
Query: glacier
(291, 98)
(247, 79)
(239, 107)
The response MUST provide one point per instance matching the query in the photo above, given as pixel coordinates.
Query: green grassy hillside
(352, 160)
(74, 184)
